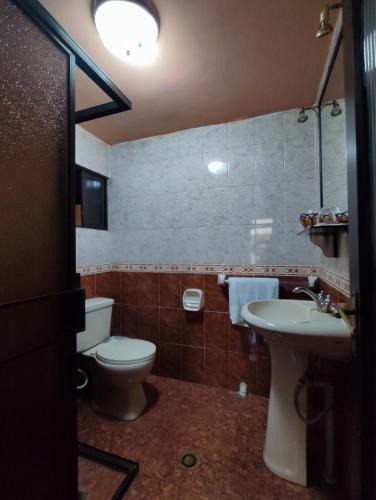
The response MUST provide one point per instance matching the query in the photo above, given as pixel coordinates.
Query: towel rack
(222, 279)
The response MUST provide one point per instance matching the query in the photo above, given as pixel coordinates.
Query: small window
(91, 199)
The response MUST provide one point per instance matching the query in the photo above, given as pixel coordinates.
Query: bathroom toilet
(121, 363)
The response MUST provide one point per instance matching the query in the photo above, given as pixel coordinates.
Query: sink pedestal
(293, 328)
(286, 434)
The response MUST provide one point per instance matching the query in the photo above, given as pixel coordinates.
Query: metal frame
(327, 76)
(51, 27)
(129, 468)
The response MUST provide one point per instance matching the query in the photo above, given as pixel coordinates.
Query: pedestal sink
(293, 329)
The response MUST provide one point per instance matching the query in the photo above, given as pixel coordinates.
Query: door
(360, 55)
(40, 308)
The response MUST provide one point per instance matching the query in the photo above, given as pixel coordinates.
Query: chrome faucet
(323, 302)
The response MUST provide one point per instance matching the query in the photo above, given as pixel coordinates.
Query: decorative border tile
(340, 283)
(101, 268)
(220, 269)
(204, 269)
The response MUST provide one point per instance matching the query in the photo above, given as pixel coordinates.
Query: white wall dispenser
(193, 299)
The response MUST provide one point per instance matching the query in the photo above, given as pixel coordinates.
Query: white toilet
(122, 363)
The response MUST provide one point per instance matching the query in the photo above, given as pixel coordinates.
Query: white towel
(243, 290)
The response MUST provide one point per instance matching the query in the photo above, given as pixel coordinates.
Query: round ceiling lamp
(128, 29)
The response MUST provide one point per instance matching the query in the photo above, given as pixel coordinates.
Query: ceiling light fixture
(128, 29)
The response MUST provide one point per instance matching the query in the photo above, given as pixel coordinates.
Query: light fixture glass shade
(127, 30)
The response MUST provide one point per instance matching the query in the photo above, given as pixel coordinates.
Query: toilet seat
(125, 351)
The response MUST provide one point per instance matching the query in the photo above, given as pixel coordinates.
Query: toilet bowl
(122, 364)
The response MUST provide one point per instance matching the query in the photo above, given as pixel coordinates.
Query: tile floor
(226, 432)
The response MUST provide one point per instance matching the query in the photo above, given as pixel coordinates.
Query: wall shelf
(326, 236)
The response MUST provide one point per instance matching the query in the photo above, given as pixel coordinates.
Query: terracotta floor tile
(99, 480)
(225, 431)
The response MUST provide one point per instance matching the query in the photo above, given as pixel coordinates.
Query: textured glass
(33, 159)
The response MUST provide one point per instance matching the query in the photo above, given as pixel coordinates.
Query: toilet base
(124, 403)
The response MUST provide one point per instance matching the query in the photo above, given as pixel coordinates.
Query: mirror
(333, 139)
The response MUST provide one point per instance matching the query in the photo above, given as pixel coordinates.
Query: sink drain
(188, 459)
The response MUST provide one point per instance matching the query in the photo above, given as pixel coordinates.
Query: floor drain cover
(188, 459)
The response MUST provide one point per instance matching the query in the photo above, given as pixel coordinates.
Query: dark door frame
(71, 314)
(362, 261)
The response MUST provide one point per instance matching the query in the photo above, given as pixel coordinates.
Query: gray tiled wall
(165, 207)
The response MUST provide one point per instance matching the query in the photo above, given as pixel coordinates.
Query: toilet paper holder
(193, 299)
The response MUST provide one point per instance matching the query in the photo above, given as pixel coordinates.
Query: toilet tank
(98, 323)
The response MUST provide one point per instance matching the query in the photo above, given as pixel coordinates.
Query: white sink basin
(300, 325)
(293, 329)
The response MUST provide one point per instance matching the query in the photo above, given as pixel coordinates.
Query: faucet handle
(327, 304)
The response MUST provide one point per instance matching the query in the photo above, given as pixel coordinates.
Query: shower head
(337, 110)
(303, 117)
(325, 27)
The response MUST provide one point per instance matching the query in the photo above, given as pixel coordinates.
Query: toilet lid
(124, 351)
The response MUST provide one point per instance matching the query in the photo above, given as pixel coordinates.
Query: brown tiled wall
(199, 347)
